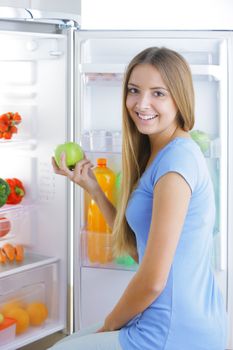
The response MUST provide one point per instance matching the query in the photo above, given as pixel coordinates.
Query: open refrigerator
(66, 83)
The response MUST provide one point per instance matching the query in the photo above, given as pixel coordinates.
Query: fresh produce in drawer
(19, 253)
(8, 122)
(17, 191)
(5, 226)
(21, 317)
(11, 253)
(37, 312)
(25, 313)
(4, 192)
(3, 258)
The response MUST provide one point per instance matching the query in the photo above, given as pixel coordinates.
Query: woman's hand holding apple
(82, 173)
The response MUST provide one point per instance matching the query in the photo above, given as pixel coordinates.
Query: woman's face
(149, 102)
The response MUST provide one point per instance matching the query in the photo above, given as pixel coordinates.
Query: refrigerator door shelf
(105, 141)
(114, 72)
(97, 253)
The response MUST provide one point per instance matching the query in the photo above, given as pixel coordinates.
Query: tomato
(5, 226)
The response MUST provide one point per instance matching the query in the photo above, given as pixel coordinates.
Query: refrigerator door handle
(19, 14)
(65, 20)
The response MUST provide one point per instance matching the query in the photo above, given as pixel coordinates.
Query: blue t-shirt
(189, 314)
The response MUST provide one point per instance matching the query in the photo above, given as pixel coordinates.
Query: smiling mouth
(146, 117)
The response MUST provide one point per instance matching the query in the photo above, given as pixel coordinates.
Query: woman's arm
(106, 207)
(171, 199)
(83, 176)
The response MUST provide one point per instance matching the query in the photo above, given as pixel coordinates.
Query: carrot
(2, 257)
(9, 250)
(19, 253)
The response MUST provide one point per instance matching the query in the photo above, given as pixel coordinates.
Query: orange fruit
(11, 305)
(21, 317)
(37, 312)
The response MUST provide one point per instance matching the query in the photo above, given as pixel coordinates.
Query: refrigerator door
(101, 58)
(35, 82)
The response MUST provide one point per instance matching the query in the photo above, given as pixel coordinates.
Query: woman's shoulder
(180, 149)
(181, 155)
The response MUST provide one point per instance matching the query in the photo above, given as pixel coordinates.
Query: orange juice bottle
(99, 239)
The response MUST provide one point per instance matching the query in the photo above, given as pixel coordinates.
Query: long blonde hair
(176, 74)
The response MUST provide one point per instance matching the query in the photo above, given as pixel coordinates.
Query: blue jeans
(88, 339)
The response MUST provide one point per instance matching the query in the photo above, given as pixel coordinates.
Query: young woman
(165, 218)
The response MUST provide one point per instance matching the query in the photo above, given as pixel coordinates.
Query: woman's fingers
(64, 167)
(87, 172)
(80, 174)
(56, 169)
(79, 170)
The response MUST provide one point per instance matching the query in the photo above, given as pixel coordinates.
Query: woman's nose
(143, 101)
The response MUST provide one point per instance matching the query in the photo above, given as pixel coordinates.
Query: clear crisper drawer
(12, 220)
(97, 252)
(30, 298)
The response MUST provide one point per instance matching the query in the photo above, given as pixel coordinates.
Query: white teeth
(146, 117)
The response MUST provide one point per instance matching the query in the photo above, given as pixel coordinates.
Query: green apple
(201, 138)
(1, 318)
(73, 151)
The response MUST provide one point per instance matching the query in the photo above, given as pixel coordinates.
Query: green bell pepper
(4, 192)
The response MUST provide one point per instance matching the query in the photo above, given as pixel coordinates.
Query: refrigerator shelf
(17, 210)
(114, 72)
(31, 261)
(110, 266)
(33, 335)
(18, 144)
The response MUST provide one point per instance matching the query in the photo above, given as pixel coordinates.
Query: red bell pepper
(17, 191)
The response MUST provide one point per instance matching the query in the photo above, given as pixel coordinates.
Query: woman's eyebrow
(153, 88)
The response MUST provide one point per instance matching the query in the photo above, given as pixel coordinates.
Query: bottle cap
(101, 161)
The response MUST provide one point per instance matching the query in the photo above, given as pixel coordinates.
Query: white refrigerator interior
(33, 70)
(101, 59)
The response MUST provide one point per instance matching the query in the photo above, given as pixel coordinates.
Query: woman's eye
(132, 90)
(159, 94)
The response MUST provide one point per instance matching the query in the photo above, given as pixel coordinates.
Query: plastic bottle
(99, 233)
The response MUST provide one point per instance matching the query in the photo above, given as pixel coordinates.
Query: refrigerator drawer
(31, 298)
